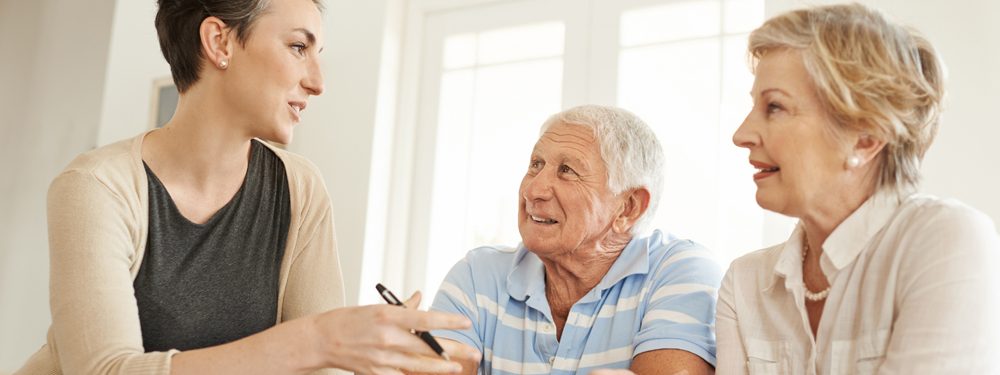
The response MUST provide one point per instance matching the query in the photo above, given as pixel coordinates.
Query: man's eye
(566, 169)
(299, 47)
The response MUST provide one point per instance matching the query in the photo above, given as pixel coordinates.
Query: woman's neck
(199, 146)
(820, 220)
(201, 160)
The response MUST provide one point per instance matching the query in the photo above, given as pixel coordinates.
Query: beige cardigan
(97, 218)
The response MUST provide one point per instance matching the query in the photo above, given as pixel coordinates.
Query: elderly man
(584, 291)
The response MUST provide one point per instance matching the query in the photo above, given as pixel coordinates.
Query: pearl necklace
(810, 295)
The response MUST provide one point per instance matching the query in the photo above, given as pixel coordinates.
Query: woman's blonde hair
(872, 75)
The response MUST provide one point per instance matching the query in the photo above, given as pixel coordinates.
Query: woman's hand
(378, 339)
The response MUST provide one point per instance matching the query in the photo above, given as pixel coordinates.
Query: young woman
(197, 248)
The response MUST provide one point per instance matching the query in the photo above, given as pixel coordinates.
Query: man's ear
(635, 202)
(216, 45)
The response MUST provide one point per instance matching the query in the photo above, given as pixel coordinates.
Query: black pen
(392, 300)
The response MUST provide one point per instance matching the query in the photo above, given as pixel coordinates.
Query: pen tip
(445, 356)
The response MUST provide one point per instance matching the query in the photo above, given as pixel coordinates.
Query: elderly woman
(584, 290)
(874, 278)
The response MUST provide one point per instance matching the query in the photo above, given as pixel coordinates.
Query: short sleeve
(680, 305)
(457, 295)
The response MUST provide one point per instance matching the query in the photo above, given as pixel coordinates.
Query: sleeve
(95, 318)
(947, 297)
(457, 294)
(732, 355)
(315, 283)
(680, 306)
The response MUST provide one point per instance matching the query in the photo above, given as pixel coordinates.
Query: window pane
(675, 88)
(740, 217)
(507, 118)
(691, 82)
(459, 51)
(674, 21)
(488, 123)
(520, 43)
(449, 194)
(742, 16)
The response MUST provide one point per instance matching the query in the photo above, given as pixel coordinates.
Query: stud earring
(223, 64)
(853, 161)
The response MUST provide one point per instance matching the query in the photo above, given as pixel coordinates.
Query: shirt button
(547, 327)
(552, 360)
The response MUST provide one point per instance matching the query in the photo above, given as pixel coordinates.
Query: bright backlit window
(495, 87)
(493, 80)
(682, 68)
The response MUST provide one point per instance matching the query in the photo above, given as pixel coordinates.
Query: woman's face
(270, 79)
(789, 134)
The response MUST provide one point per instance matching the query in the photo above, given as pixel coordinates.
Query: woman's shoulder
(116, 156)
(767, 256)
(116, 166)
(756, 265)
(926, 222)
(930, 208)
(304, 177)
(296, 166)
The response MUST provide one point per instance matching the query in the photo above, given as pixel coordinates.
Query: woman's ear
(865, 149)
(635, 203)
(216, 45)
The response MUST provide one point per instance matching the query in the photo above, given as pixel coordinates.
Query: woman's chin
(768, 202)
(279, 136)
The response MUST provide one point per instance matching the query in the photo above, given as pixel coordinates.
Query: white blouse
(914, 290)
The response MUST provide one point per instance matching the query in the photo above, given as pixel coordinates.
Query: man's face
(565, 202)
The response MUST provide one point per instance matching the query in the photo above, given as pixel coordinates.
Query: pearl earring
(853, 161)
(223, 64)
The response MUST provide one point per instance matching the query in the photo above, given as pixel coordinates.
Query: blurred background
(431, 110)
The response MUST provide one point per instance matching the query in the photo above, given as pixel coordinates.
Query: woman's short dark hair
(178, 24)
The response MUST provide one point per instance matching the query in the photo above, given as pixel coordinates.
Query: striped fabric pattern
(659, 294)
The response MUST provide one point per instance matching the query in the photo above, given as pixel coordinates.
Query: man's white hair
(629, 149)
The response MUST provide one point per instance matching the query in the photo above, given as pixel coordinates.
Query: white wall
(55, 54)
(134, 61)
(18, 41)
(962, 161)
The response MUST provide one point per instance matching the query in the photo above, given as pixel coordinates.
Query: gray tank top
(202, 285)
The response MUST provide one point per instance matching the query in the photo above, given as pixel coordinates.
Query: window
(491, 74)
(682, 67)
(487, 116)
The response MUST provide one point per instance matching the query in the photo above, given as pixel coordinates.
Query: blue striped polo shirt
(659, 294)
